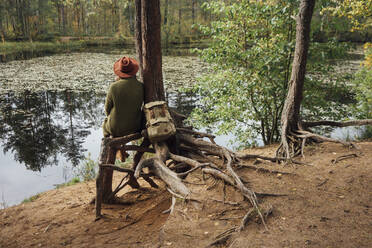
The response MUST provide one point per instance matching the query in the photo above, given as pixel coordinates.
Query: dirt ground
(324, 204)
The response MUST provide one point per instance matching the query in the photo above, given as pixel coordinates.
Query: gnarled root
(192, 152)
(294, 141)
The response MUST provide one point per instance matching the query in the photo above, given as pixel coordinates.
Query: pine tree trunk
(139, 35)
(150, 48)
(291, 110)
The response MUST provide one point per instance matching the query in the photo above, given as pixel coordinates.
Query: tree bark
(291, 110)
(139, 35)
(150, 47)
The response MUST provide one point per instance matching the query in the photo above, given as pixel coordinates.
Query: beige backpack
(159, 123)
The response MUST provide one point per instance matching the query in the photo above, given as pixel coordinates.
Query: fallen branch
(308, 124)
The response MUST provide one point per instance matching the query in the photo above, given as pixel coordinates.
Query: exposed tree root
(225, 236)
(271, 159)
(172, 161)
(264, 170)
(343, 157)
(294, 141)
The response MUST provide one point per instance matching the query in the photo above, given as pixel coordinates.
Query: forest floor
(326, 204)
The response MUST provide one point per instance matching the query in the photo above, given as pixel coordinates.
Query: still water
(51, 110)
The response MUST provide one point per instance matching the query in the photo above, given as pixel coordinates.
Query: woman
(124, 100)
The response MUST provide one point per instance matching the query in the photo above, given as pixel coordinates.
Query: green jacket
(123, 107)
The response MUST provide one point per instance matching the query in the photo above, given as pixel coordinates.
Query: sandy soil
(325, 205)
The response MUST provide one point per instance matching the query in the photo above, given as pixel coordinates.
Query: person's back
(123, 105)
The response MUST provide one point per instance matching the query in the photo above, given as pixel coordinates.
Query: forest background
(49, 20)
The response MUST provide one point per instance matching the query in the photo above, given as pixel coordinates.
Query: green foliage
(73, 181)
(87, 170)
(251, 54)
(358, 12)
(363, 86)
(31, 199)
(84, 172)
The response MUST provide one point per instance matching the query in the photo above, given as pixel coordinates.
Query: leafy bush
(363, 86)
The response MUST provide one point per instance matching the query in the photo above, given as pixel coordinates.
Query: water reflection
(39, 127)
(36, 127)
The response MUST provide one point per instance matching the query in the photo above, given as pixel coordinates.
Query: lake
(52, 109)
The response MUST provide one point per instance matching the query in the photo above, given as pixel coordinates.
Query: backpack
(159, 123)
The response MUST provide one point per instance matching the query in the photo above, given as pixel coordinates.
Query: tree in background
(294, 132)
(290, 119)
(2, 20)
(251, 55)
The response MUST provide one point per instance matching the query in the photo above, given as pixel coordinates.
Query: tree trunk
(193, 4)
(83, 19)
(64, 19)
(166, 4)
(179, 22)
(291, 110)
(2, 32)
(165, 24)
(139, 35)
(150, 48)
(131, 17)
